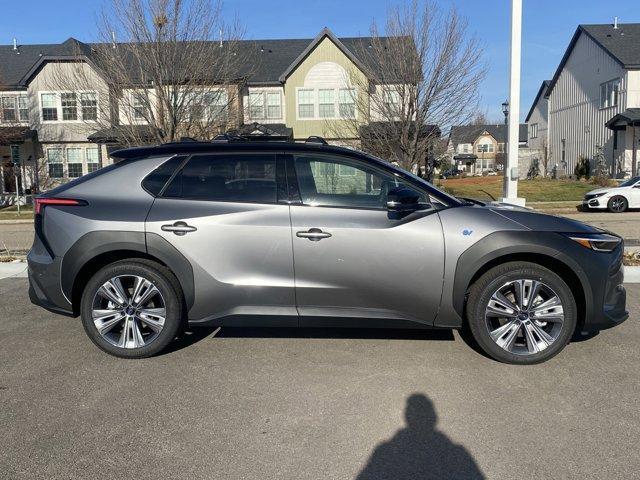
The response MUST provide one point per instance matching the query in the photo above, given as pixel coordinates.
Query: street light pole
(510, 188)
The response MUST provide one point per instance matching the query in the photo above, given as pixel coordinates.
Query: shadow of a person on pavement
(419, 451)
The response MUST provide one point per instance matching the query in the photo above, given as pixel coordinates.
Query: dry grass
(11, 213)
(631, 259)
(538, 190)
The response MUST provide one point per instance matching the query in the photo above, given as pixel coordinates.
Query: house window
(74, 162)
(256, 105)
(485, 147)
(218, 103)
(93, 159)
(609, 93)
(54, 160)
(305, 103)
(23, 108)
(69, 106)
(347, 102)
(563, 142)
(9, 113)
(391, 100)
(274, 105)
(465, 148)
(138, 107)
(533, 130)
(89, 106)
(501, 147)
(15, 154)
(49, 106)
(326, 103)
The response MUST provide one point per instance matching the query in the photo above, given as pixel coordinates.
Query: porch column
(634, 167)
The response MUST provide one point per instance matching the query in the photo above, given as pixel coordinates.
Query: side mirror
(403, 199)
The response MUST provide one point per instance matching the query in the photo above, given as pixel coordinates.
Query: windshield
(631, 182)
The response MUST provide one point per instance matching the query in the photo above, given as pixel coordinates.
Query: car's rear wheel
(617, 204)
(131, 309)
(521, 313)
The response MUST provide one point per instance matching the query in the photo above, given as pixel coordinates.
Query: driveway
(329, 404)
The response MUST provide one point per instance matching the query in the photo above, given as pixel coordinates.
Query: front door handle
(179, 228)
(313, 234)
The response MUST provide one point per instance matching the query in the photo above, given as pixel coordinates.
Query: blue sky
(547, 28)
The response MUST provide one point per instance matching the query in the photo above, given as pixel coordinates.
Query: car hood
(600, 190)
(544, 222)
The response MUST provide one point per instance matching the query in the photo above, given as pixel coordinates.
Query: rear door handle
(179, 228)
(313, 234)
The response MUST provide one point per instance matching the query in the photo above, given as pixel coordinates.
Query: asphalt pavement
(311, 404)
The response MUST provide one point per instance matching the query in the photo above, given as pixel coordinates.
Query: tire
(534, 340)
(617, 204)
(147, 335)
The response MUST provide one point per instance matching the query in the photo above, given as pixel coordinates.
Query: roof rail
(227, 137)
(316, 139)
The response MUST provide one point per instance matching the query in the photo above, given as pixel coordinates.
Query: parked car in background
(452, 172)
(235, 233)
(615, 199)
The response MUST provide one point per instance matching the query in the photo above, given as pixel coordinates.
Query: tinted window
(154, 182)
(341, 182)
(231, 178)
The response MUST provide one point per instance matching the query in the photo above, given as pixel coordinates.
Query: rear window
(156, 180)
(230, 178)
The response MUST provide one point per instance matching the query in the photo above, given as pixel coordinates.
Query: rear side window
(230, 178)
(154, 182)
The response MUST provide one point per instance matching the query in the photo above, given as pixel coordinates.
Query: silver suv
(235, 233)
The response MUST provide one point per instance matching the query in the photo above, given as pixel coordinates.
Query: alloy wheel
(524, 316)
(128, 311)
(617, 204)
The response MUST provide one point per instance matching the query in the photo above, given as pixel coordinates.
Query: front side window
(274, 105)
(69, 106)
(347, 102)
(54, 161)
(609, 93)
(138, 107)
(227, 178)
(218, 103)
(533, 130)
(341, 182)
(9, 111)
(305, 103)
(391, 100)
(89, 106)
(74, 162)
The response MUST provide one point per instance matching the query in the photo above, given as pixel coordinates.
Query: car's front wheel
(617, 204)
(521, 312)
(131, 309)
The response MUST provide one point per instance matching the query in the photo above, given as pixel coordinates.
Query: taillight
(40, 203)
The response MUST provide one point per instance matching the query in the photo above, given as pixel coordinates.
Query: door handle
(313, 234)
(179, 228)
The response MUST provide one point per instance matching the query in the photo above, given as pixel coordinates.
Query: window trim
(613, 81)
(264, 93)
(336, 103)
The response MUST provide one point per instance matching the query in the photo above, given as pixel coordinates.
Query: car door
(634, 201)
(225, 213)
(354, 258)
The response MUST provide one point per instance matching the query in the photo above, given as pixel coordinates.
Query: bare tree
(165, 69)
(424, 72)
(480, 118)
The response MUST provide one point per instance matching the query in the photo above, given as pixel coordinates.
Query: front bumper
(597, 202)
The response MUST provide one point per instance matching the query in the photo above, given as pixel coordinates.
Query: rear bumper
(44, 281)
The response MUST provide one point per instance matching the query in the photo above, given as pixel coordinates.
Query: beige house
(298, 88)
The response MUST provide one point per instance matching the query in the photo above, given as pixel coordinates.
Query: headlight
(596, 195)
(600, 242)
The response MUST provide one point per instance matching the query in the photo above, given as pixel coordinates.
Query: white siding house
(538, 119)
(596, 80)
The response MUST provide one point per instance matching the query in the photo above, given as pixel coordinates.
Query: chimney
(113, 39)
(220, 38)
(615, 23)
(15, 43)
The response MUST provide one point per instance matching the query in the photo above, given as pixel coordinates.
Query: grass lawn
(538, 190)
(11, 213)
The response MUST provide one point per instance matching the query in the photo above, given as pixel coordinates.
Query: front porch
(626, 136)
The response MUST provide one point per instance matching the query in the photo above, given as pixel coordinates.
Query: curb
(13, 270)
(631, 274)
(16, 222)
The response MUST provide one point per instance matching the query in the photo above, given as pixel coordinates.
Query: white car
(615, 199)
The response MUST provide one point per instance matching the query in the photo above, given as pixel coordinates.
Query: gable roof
(541, 91)
(275, 58)
(622, 44)
(469, 133)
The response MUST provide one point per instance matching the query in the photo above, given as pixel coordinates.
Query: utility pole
(510, 187)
